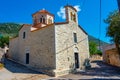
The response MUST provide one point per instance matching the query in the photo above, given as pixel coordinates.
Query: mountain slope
(9, 29)
(91, 38)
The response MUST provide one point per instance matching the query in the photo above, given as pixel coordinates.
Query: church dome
(43, 12)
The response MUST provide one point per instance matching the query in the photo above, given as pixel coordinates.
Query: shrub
(99, 52)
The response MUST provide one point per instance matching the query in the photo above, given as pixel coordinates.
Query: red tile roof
(50, 25)
(38, 25)
(44, 12)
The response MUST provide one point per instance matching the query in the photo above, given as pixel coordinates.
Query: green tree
(92, 48)
(113, 29)
(4, 40)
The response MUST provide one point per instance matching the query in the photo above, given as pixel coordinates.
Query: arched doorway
(76, 56)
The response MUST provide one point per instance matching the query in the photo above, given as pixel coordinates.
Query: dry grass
(1, 65)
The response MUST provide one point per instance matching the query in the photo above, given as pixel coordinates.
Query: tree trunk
(118, 48)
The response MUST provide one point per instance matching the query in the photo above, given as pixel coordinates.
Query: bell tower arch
(71, 14)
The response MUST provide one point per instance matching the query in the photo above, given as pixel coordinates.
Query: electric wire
(100, 27)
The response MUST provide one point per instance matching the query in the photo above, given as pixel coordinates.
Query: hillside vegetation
(93, 39)
(9, 29)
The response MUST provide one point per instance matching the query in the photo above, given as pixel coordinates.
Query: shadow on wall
(101, 70)
(18, 68)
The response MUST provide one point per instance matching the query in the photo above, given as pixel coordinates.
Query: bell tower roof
(70, 7)
(42, 18)
(42, 12)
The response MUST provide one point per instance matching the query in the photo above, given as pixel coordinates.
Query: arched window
(44, 20)
(49, 21)
(71, 15)
(40, 20)
(35, 20)
(74, 17)
(24, 35)
(75, 37)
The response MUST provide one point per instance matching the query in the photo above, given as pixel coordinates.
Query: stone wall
(96, 57)
(65, 47)
(40, 44)
(105, 48)
(13, 49)
(42, 48)
(23, 43)
(1, 54)
(112, 57)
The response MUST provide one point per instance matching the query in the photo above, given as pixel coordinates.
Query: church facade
(52, 48)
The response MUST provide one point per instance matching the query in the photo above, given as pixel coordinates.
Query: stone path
(14, 71)
(99, 71)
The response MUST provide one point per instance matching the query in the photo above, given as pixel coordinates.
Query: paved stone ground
(14, 71)
(98, 71)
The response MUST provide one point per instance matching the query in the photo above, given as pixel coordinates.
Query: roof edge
(82, 29)
(42, 27)
(13, 37)
(25, 25)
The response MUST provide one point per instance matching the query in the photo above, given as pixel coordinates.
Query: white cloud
(77, 7)
(61, 12)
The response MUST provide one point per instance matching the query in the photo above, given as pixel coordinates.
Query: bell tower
(42, 18)
(71, 14)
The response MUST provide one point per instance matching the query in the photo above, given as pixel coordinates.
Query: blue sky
(20, 11)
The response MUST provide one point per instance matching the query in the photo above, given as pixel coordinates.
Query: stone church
(52, 48)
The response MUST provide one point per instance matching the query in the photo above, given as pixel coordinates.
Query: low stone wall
(96, 57)
(1, 54)
(112, 57)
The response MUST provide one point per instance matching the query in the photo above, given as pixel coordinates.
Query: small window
(24, 34)
(74, 17)
(71, 15)
(75, 37)
(50, 21)
(27, 58)
(35, 21)
(40, 20)
(44, 20)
